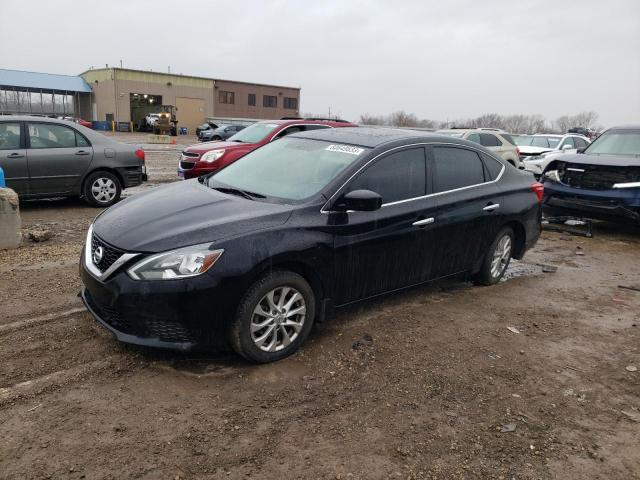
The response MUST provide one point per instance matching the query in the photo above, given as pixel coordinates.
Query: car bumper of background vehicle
(178, 315)
(195, 172)
(599, 204)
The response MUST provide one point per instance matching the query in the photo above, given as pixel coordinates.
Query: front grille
(597, 177)
(190, 154)
(186, 165)
(109, 256)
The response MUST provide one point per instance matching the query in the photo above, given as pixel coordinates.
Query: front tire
(274, 317)
(102, 189)
(497, 258)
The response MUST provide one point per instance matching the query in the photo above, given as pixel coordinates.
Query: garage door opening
(143, 106)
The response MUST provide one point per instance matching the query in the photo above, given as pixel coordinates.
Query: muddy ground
(414, 385)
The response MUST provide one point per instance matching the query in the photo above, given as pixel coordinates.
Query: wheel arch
(113, 171)
(303, 269)
(519, 240)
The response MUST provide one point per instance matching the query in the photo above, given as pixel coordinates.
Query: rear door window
(50, 135)
(397, 176)
(508, 138)
(315, 127)
(489, 140)
(474, 137)
(580, 143)
(493, 167)
(9, 136)
(456, 168)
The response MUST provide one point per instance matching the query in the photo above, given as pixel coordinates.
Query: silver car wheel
(278, 318)
(103, 190)
(501, 256)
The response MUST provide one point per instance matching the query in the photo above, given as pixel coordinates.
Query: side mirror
(580, 150)
(359, 201)
(567, 147)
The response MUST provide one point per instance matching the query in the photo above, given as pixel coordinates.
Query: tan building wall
(241, 108)
(200, 96)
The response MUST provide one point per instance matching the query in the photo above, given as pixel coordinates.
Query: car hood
(182, 214)
(529, 150)
(605, 160)
(207, 146)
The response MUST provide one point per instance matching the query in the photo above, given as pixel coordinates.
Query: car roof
(371, 137)
(35, 118)
(303, 121)
(553, 135)
(625, 127)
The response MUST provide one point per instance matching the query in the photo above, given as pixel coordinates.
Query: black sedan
(254, 254)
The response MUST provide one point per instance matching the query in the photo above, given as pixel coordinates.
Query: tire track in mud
(32, 322)
(45, 383)
(44, 345)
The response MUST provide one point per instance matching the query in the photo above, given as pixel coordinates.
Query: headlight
(176, 264)
(552, 175)
(212, 155)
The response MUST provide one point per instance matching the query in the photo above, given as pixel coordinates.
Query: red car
(208, 157)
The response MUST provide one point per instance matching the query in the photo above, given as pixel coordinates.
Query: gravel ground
(414, 385)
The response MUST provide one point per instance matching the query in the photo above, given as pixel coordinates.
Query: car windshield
(289, 168)
(522, 140)
(616, 142)
(254, 133)
(545, 142)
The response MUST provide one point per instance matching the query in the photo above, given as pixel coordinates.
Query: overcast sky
(441, 60)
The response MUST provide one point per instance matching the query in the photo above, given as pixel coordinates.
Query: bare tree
(366, 119)
(402, 119)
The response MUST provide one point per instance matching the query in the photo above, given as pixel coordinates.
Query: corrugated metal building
(125, 95)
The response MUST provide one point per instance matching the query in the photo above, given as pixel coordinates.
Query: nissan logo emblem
(97, 255)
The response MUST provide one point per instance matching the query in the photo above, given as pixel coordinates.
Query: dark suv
(602, 181)
(204, 158)
(43, 157)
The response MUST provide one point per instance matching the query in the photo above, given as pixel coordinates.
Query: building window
(270, 101)
(291, 103)
(226, 97)
(252, 99)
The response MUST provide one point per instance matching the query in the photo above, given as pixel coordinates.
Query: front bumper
(615, 204)
(181, 315)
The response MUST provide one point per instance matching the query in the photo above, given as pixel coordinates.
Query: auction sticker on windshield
(345, 149)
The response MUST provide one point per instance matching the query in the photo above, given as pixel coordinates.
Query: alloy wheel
(501, 256)
(103, 190)
(278, 318)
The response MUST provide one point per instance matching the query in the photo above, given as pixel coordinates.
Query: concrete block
(10, 223)
(159, 139)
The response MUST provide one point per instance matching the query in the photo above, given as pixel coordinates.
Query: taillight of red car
(538, 189)
(140, 154)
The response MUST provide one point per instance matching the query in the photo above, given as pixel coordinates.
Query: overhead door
(190, 113)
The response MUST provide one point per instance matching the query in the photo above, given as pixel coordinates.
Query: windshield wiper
(242, 193)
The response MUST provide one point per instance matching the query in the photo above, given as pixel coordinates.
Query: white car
(494, 139)
(544, 148)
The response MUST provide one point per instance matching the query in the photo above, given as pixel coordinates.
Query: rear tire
(101, 189)
(496, 259)
(274, 317)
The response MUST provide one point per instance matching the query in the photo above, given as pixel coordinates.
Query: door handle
(492, 207)
(82, 152)
(423, 222)
(15, 155)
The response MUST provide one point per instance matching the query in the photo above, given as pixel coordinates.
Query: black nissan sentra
(251, 256)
